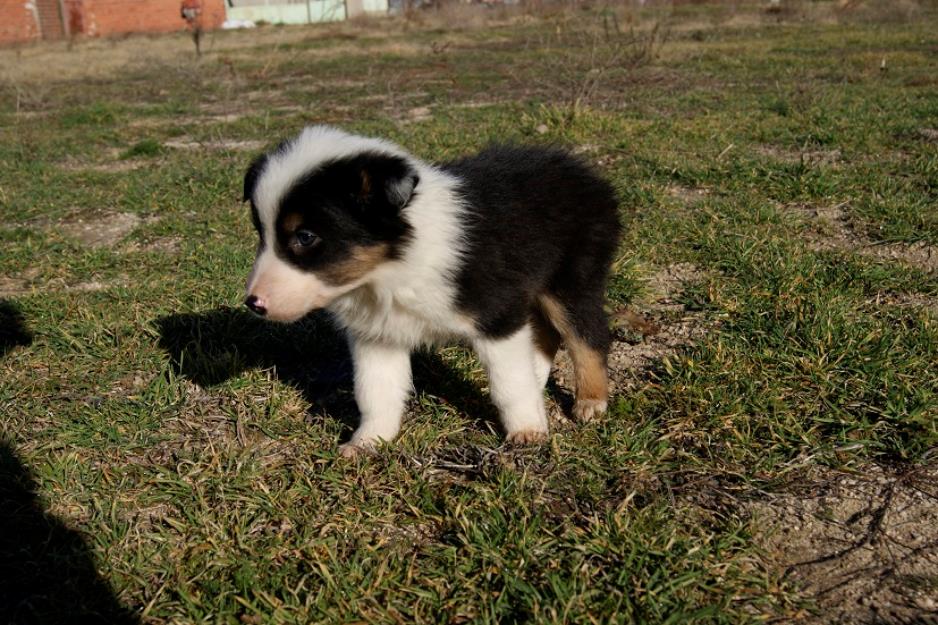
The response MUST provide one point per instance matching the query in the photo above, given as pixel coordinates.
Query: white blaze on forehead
(313, 147)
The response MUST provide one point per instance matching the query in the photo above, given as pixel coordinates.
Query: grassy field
(770, 454)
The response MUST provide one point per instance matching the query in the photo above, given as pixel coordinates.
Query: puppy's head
(328, 208)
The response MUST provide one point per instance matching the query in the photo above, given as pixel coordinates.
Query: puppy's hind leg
(382, 384)
(514, 385)
(585, 331)
(546, 344)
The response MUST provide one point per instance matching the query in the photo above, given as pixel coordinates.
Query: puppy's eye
(305, 238)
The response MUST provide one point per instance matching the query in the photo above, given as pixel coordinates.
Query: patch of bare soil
(416, 114)
(930, 134)
(185, 120)
(98, 229)
(206, 425)
(476, 104)
(184, 143)
(109, 166)
(687, 195)
(11, 286)
(920, 255)
(147, 517)
(863, 547)
(905, 300)
(832, 230)
(91, 286)
(30, 114)
(166, 245)
(14, 286)
(809, 157)
(651, 329)
(667, 283)
(111, 163)
(662, 324)
(28, 282)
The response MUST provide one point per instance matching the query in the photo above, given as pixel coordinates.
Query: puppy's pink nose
(256, 304)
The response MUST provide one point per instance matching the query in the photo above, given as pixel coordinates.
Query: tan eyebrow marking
(292, 221)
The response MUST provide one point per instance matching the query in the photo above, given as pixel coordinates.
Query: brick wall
(18, 18)
(18, 21)
(109, 17)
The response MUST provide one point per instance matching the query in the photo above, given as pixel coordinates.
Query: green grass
(186, 452)
(144, 148)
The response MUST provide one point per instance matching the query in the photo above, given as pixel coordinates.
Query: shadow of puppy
(310, 355)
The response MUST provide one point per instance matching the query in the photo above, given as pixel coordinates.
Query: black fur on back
(539, 221)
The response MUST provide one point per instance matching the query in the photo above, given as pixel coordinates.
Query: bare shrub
(785, 9)
(878, 11)
(584, 59)
(454, 14)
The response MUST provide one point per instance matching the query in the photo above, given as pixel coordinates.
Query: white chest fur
(410, 301)
(405, 317)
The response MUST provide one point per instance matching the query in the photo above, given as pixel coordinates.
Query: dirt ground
(862, 546)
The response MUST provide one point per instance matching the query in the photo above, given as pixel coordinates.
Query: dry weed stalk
(583, 60)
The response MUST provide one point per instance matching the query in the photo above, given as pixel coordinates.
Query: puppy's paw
(588, 409)
(526, 437)
(355, 450)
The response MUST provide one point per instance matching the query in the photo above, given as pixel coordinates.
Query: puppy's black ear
(252, 175)
(400, 190)
(387, 183)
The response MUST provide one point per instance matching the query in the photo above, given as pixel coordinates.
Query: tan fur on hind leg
(589, 364)
(592, 386)
(546, 343)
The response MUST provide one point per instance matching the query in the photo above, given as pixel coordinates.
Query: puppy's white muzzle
(281, 292)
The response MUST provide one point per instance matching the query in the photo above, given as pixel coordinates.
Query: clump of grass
(779, 106)
(98, 114)
(624, 284)
(147, 148)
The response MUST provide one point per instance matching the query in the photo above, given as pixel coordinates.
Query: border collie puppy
(509, 250)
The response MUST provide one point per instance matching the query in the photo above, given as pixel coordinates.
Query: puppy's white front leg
(382, 385)
(514, 385)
